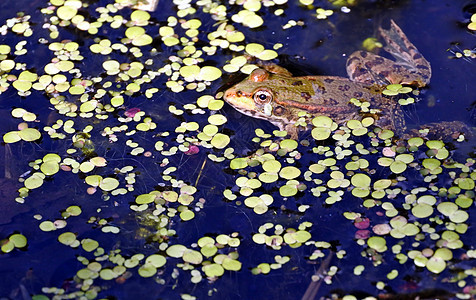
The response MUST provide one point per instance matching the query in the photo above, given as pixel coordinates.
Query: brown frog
(273, 94)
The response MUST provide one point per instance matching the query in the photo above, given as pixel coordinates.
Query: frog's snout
(239, 99)
(229, 93)
(232, 94)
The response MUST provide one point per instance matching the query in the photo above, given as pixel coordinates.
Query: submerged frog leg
(292, 131)
(410, 66)
(392, 118)
(445, 130)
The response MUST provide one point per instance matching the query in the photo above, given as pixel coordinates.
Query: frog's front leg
(292, 131)
(410, 66)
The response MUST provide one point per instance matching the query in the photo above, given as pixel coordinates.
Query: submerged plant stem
(314, 286)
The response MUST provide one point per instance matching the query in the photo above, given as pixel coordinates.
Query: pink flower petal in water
(362, 223)
(469, 289)
(362, 234)
(131, 112)
(192, 149)
(388, 152)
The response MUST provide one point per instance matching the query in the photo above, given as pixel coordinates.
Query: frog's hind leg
(370, 68)
(410, 66)
(407, 55)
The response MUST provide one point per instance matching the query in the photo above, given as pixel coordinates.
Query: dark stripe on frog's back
(325, 109)
(330, 94)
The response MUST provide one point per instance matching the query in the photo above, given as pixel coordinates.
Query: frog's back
(335, 90)
(334, 93)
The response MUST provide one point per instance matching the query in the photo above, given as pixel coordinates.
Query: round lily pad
(34, 181)
(465, 183)
(187, 215)
(209, 250)
(47, 226)
(288, 190)
(209, 73)
(422, 210)
(109, 184)
(156, 260)
(436, 264)
(217, 119)
(231, 264)
(66, 12)
(89, 245)
(147, 270)
(377, 243)
(176, 250)
(85, 273)
(289, 172)
(18, 240)
(220, 141)
(213, 270)
(192, 256)
(268, 177)
(145, 198)
(360, 180)
(459, 216)
(49, 167)
(29, 134)
(67, 238)
(272, 166)
(11, 137)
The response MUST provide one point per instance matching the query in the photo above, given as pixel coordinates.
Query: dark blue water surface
(321, 47)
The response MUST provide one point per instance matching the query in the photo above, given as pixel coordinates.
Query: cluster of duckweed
(464, 53)
(163, 201)
(282, 236)
(98, 265)
(265, 268)
(214, 263)
(424, 226)
(398, 90)
(430, 215)
(15, 240)
(395, 89)
(24, 133)
(71, 211)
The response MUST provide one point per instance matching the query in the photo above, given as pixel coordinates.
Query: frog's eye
(262, 96)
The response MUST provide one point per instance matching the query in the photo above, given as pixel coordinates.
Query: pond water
(126, 175)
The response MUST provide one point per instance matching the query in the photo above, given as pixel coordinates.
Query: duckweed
(272, 175)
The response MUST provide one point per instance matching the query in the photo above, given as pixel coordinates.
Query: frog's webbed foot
(406, 55)
(410, 68)
(446, 131)
(398, 45)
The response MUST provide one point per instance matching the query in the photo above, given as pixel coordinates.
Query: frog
(272, 93)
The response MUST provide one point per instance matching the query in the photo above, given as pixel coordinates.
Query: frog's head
(256, 95)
